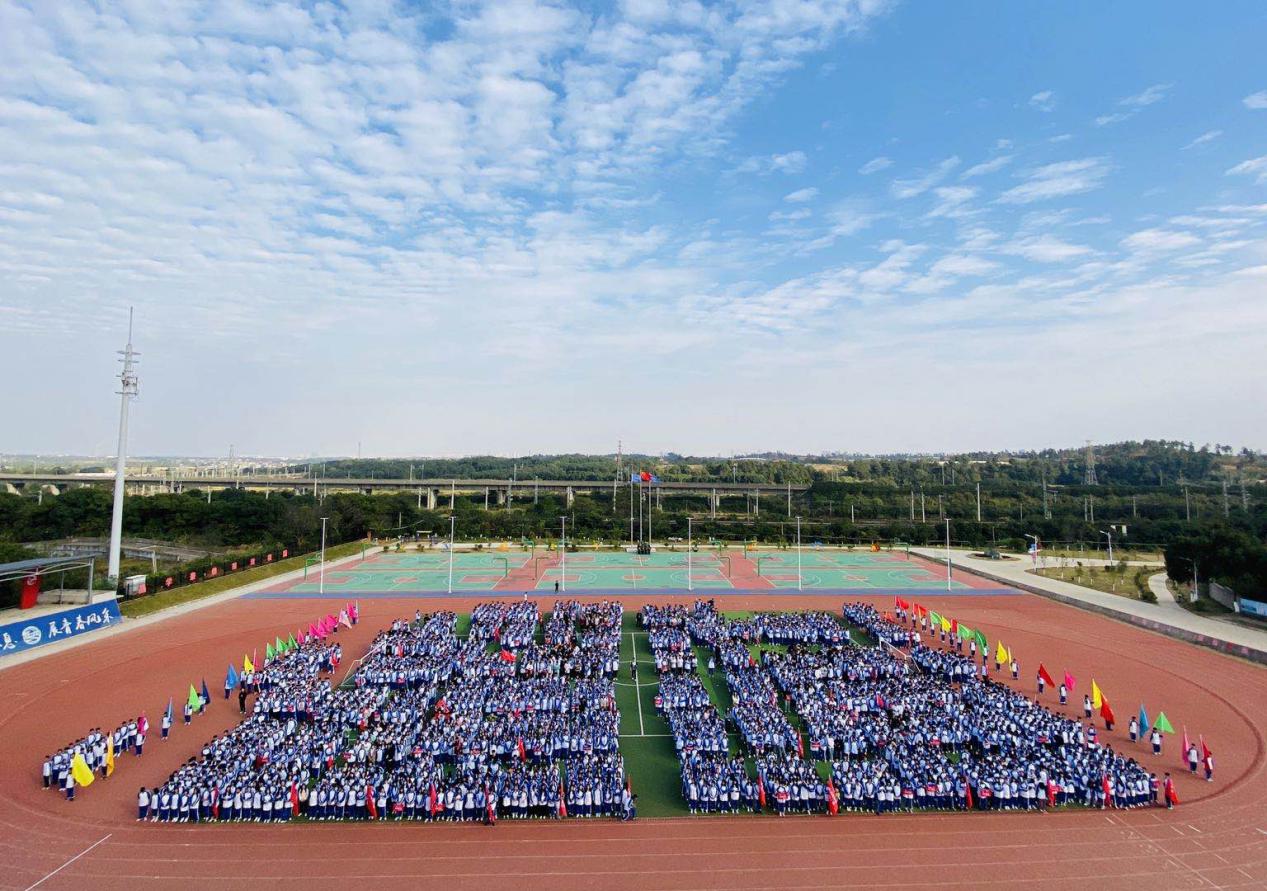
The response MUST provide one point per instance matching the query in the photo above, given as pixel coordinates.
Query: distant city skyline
(513, 227)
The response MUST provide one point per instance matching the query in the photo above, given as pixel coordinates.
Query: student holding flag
(188, 709)
(230, 681)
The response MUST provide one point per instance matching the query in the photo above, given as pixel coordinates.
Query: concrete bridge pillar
(499, 497)
(571, 496)
(433, 495)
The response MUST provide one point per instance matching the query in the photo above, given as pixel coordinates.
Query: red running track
(1216, 838)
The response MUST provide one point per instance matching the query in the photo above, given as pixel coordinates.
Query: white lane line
(642, 731)
(69, 862)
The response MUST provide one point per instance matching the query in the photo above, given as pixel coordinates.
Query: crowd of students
(97, 748)
(430, 726)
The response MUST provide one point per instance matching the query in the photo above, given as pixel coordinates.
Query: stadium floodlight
(1110, 535)
(127, 391)
(321, 574)
(563, 550)
(452, 526)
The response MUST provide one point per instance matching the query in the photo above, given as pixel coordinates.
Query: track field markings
(69, 862)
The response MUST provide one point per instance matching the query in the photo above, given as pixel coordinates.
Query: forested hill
(1147, 463)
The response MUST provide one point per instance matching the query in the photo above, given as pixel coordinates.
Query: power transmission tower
(1046, 509)
(1091, 481)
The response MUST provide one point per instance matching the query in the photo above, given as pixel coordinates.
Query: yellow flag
(1009, 654)
(1000, 654)
(80, 771)
(247, 664)
(945, 624)
(1097, 698)
(109, 754)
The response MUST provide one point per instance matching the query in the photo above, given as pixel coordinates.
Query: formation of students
(429, 727)
(96, 748)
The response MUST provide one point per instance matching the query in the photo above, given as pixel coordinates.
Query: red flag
(646, 476)
(294, 799)
(1205, 750)
(507, 656)
(800, 745)
(954, 630)
(215, 803)
(1051, 793)
(1108, 790)
(967, 785)
(833, 805)
(1187, 744)
(761, 792)
(1171, 796)
(523, 752)
(563, 803)
(490, 804)
(431, 806)
(142, 723)
(1106, 712)
(1042, 673)
(369, 802)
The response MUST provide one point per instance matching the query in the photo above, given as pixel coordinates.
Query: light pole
(947, 553)
(321, 583)
(452, 527)
(1110, 535)
(1195, 595)
(1034, 552)
(798, 554)
(688, 555)
(563, 546)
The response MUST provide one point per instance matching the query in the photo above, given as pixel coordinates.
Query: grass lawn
(1133, 583)
(152, 603)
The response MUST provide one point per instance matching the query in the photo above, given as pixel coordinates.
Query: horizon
(519, 227)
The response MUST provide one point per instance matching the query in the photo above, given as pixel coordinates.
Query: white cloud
(1207, 136)
(1255, 167)
(1043, 101)
(1134, 104)
(924, 180)
(801, 195)
(875, 165)
(1045, 249)
(1057, 180)
(1159, 240)
(1150, 96)
(991, 166)
(1256, 100)
(951, 201)
(788, 162)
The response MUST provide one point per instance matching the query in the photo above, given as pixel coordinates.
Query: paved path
(1166, 615)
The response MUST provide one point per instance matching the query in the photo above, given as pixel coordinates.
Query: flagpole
(798, 550)
(948, 553)
(321, 584)
(452, 524)
(563, 571)
(688, 554)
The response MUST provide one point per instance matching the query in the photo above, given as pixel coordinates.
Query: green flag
(1163, 723)
(269, 653)
(934, 620)
(981, 641)
(195, 701)
(966, 633)
(278, 646)
(291, 643)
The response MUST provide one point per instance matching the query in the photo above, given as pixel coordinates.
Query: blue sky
(516, 226)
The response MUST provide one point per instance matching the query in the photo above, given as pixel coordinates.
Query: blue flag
(206, 695)
(169, 708)
(1143, 720)
(231, 679)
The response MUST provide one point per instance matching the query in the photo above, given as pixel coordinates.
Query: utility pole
(1090, 481)
(1227, 511)
(1091, 504)
(923, 518)
(789, 498)
(978, 502)
(1046, 509)
(912, 505)
(1134, 508)
(128, 386)
(1187, 505)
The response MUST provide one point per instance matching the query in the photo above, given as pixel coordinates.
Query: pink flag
(312, 629)
(332, 620)
(343, 619)
(142, 724)
(1069, 681)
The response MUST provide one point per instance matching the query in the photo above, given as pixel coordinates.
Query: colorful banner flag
(194, 699)
(1143, 719)
(1106, 712)
(945, 624)
(1070, 681)
(269, 653)
(206, 694)
(170, 713)
(1000, 653)
(110, 754)
(231, 679)
(80, 771)
(1097, 697)
(247, 665)
(1163, 723)
(1042, 673)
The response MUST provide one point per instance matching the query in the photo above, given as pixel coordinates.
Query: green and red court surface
(408, 573)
